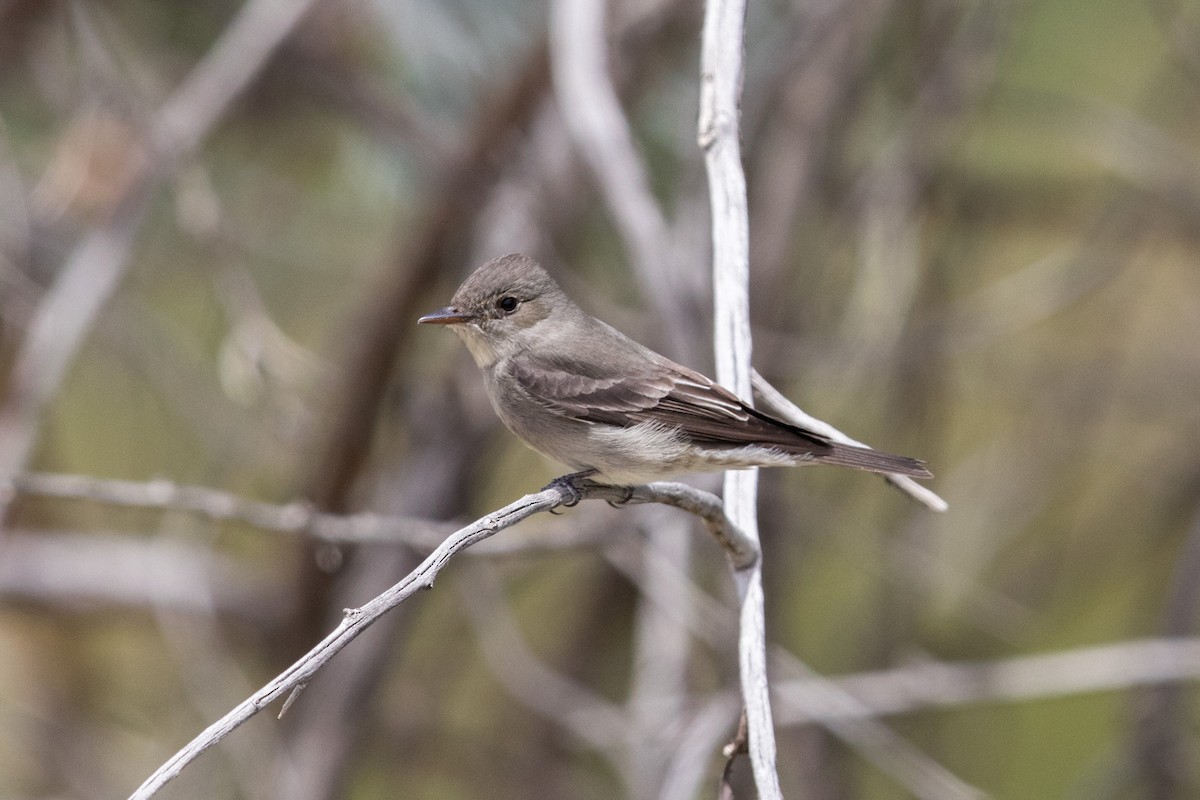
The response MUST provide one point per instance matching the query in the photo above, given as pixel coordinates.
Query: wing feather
(653, 389)
(664, 393)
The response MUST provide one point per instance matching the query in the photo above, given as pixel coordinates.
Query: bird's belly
(622, 456)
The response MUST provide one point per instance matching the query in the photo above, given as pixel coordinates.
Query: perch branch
(356, 620)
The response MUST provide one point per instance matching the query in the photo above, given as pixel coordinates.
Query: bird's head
(499, 310)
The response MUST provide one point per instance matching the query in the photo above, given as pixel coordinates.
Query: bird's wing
(651, 389)
(661, 392)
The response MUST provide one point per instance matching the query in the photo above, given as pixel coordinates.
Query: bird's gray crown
(515, 274)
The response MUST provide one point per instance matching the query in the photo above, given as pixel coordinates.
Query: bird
(582, 393)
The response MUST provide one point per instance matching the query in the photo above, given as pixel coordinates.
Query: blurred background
(975, 239)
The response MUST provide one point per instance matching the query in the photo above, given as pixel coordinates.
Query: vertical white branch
(720, 94)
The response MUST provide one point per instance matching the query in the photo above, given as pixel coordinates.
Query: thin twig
(222, 506)
(98, 570)
(941, 684)
(777, 403)
(356, 620)
(300, 518)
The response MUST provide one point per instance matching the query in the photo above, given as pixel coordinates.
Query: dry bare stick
(328, 731)
(296, 518)
(720, 97)
(222, 506)
(777, 403)
(94, 270)
(96, 569)
(939, 684)
(292, 680)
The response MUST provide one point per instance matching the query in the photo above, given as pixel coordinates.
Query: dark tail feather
(844, 455)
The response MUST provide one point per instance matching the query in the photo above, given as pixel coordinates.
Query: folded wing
(668, 394)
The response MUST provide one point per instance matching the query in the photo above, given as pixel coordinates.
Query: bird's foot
(627, 491)
(569, 484)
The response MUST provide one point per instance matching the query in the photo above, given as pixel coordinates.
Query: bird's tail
(844, 455)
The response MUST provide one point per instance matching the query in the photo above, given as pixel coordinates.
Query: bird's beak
(446, 316)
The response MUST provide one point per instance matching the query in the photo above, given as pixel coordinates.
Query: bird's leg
(569, 483)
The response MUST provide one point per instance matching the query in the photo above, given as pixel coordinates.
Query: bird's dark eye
(507, 304)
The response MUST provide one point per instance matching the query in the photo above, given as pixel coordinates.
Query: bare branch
(366, 528)
(221, 506)
(98, 569)
(777, 403)
(356, 620)
(720, 97)
(939, 684)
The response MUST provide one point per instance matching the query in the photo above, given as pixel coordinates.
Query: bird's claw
(627, 491)
(569, 484)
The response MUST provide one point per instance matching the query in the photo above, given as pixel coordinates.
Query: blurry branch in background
(889, 262)
(1159, 738)
(597, 125)
(891, 753)
(1042, 288)
(1145, 154)
(816, 79)
(99, 570)
(420, 256)
(56, 331)
(875, 742)
(90, 275)
(742, 553)
(938, 684)
(574, 707)
(220, 506)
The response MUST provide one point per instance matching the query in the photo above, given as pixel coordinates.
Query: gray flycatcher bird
(586, 395)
